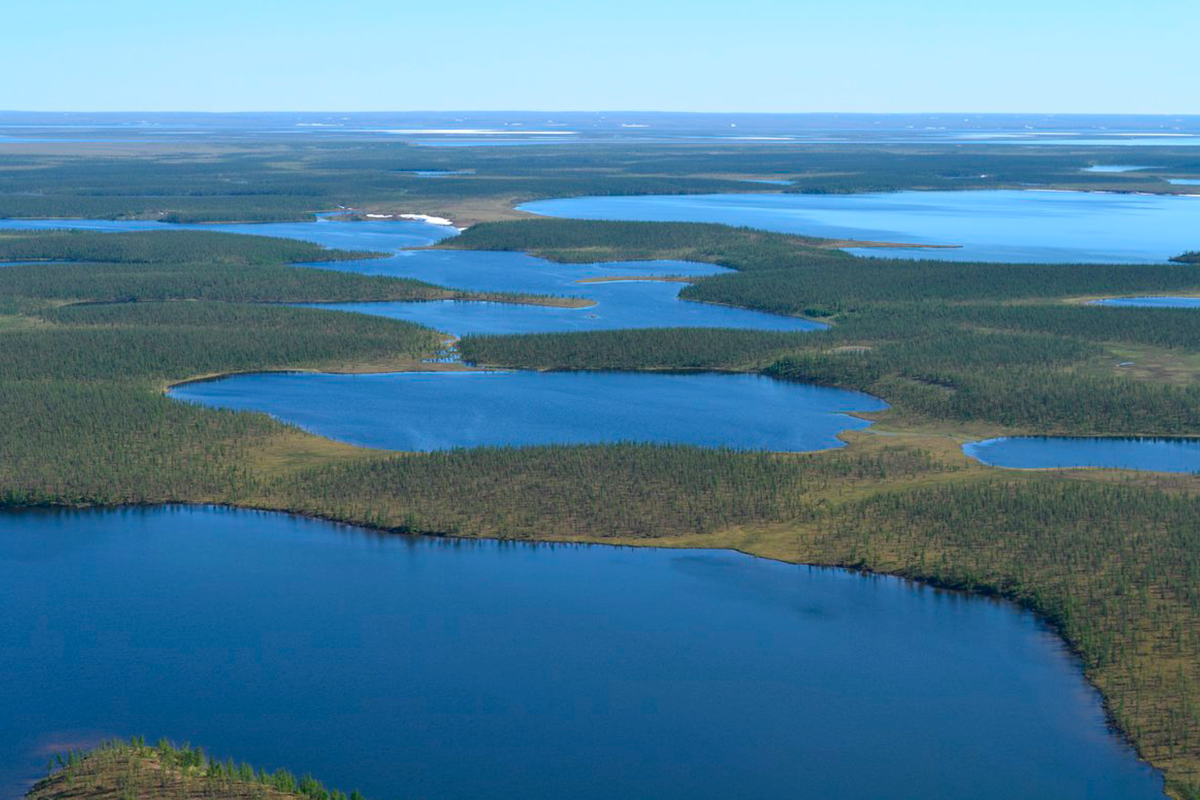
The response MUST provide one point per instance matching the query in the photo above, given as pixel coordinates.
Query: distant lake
(1117, 167)
(1040, 452)
(442, 410)
(1184, 181)
(439, 669)
(1150, 302)
(1010, 225)
(619, 304)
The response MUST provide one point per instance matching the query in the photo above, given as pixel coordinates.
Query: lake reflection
(455, 670)
(441, 410)
(1040, 452)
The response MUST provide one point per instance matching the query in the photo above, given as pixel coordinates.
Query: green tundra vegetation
(287, 177)
(200, 265)
(165, 246)
(668, 349)
(958, 350)
(119, 770)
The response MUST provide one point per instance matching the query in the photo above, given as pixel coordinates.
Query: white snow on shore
(425, 218)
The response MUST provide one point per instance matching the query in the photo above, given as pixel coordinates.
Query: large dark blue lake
(1031, 226)
(441, 410)
(454, 670)
(1134, 452)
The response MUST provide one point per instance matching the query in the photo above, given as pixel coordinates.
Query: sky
(1055, 56)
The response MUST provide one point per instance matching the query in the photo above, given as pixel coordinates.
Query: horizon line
(613, 111)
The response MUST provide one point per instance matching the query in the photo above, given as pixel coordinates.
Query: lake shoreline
(1076, 657)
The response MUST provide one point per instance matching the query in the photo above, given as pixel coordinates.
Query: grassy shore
(119, 770)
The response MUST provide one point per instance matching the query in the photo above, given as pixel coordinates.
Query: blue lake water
(1150, 302)
(1117, 168)
(441, 410)
(1011, 225)
(619, 304)
(452, 670)
(1040, 452)
(1184, 181)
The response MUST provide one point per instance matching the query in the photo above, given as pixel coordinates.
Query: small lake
(634, 303)
(1184, 181)
(1150, 302)
(1009, 225)
(442, 410)
(1042, 452)
(437, 669)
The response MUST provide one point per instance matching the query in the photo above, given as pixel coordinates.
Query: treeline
(104, 442)
(166, 771)
(208, 281)
(586, 241)
(198, 265)
(1190, 257)
(165, 246)
(669, 348)
(1029, 398)
(604, 492)
(178, 340)
(800, 287)
(1112, 567)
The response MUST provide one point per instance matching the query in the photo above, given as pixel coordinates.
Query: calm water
(1150, 302)
(1117, 167)
(444, 670)
(1029, 226)
(1033, 452)
(619, 304)
(441, 410)
(1184, 181)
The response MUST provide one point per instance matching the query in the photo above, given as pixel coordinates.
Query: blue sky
(734, 55)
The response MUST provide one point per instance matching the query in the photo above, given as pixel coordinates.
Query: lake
(435, 669)
(1134, 452)
(1009, 225)
(1117, 168)
(634, 303)
(1150, 302)
(442, 410)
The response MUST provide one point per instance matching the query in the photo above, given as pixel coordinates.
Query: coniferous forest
(94, 327)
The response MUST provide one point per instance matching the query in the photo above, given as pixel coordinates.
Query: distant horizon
(954, 112)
